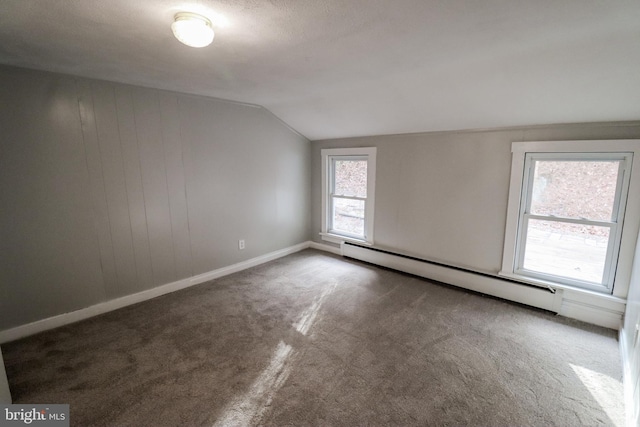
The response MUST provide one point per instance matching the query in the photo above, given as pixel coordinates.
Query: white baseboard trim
(588, 308)
(632, 407)
(326, 248)
(107, 306)
(603, 311)
(224, 271)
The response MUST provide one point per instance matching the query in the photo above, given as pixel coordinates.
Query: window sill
(604, 294)
(338, 239)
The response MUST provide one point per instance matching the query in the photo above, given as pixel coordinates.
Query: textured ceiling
(338, 68)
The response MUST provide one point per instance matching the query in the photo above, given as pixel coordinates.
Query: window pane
(574, 251)
(348, 216)
(584, 189)
(350, 178)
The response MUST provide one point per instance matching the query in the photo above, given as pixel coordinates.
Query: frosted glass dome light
(192, 29)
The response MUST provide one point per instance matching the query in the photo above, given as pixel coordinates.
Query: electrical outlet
(241, 244)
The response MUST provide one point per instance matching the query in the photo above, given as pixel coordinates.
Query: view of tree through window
(582, 191)
(573, 189)
(351, 178)
(349, 194)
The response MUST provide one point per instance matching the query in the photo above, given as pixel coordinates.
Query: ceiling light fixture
(192, 29)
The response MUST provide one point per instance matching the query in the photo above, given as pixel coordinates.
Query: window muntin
(568, 227)
(348, 193)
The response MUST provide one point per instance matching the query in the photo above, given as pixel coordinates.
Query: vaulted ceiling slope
(340, 68)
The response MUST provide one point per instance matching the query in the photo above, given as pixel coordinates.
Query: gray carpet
(313, 339)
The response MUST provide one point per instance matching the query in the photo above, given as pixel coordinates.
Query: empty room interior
(320, 212)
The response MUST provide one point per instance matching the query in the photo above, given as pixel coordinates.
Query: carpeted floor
(313, 339)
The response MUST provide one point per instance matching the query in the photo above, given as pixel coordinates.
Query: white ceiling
(339, 68)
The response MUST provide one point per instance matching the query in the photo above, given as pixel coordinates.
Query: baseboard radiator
(600, 310)
(544, 298)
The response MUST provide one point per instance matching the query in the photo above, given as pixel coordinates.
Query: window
(348, 186)
(569, 220)
(566, 212)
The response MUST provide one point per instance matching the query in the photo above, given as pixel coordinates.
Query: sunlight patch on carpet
(249, 408)
(605, 390)
(308, 317)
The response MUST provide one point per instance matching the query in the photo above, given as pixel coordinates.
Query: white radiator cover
(602, 310)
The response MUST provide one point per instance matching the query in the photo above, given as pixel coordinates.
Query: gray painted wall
(107, 190)
(5, 393)
(443, 196)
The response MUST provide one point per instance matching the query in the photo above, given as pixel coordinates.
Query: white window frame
(328, 156)
(621, 244)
